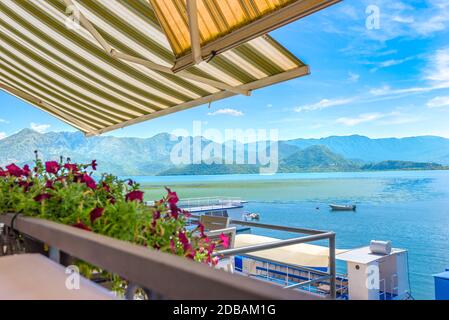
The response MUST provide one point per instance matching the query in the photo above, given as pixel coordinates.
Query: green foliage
(66, 193)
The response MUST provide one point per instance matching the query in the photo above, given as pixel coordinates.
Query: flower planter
(70, 194)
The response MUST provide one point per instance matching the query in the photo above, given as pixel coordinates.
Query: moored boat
(337, 207)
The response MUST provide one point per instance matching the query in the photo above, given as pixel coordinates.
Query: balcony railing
(170, 276)
(308, 235)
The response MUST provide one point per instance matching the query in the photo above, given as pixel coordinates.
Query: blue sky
(386, 82)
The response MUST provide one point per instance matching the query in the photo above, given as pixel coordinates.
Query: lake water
(411, 208)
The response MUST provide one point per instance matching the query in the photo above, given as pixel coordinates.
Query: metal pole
(277, 244)
(332, 266)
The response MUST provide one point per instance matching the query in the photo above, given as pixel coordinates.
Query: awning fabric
(303, 254)
(224, 24)
(65, 71)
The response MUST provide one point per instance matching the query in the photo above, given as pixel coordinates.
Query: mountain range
(151, 156)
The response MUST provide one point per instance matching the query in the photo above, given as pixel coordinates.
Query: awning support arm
(147, 63)
(195, 42)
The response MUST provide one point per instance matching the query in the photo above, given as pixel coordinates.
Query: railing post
(332, 267)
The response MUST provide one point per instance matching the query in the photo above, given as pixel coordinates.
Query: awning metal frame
(114, 53)
(291, 74)
(264, 25)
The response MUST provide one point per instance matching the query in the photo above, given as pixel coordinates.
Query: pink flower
(14, 170)
(82, 226)
(215, 261)
(95, 214)
(52, 167)
(42, 197)
(174, 211)
(172, 197)
(71, 167)
(135, 195)
(90, 183)
(26, 185)
(201, 228)
(190, 253)
(184, 241)
(106, 187)
(224, 241)
(26, 170)
(49, 184)
(112, 200)
(172, 246)
(94, 165)
(2, 172)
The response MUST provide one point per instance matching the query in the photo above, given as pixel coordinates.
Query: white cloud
(438, 102)
(403, 19)
(436, 74)
(323, 104)
(368, 117)
(389, 118)
(227, 111)
(269, 105)
(3, 121)
(2, 135)
(41, 128)
(439, 68)
(353, 77)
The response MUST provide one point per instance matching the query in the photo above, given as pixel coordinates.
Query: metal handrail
(273, 245)
(171, 276)
(313, 235)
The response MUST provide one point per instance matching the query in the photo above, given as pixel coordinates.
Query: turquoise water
(410, 208)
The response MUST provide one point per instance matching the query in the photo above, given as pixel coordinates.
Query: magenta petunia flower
(135, 195)
(184, 241)
(14, 170)
(52, 167)
(172, 246)
(201, 228)
(106, 187)
(94, 165)
(112, 200)
(89, 181)
(172, 197)
(174, 211)
(224, 241)
(95, 214)
(25, 185)
(82, 226)
(26, 170)
(2, 172)
(49, 184)
(42, 197)
(71, 167)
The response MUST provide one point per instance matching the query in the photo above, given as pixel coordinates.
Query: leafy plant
(67, 193)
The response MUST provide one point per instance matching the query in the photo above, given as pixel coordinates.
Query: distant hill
(135, 156)
(316, 158)
(416, 149)
(311, 159)
(402, 165)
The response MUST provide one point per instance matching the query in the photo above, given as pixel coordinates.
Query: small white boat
(252, 216)
(337, 207)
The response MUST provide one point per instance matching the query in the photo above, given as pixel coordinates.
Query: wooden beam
(195, 40)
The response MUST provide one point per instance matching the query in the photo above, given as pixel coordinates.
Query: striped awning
(113, 68)
(221, 25)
